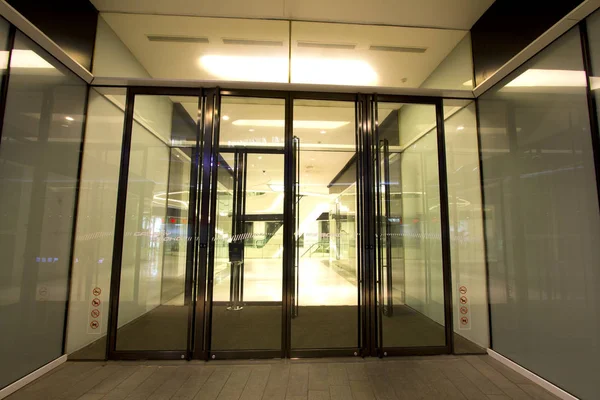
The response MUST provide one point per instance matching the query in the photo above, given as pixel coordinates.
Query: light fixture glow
(279, 123)
(460, 128)
(225, 117)
(468, 83)
(323, 132)
(549, 78)
(246, 68)
(251, 130)
(69, 118)
(23, 59)
(333, 71)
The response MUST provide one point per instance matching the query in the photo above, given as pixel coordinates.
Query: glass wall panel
(469, 285)
(247, 291)
(411, 292)
(153, 309)
(92, 259)
(386, 56)
(198, 48)
(39, 163)
(542, 219)
(326, 270)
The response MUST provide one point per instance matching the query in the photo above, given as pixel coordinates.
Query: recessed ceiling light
(279, 123)
(259, 157)
(225, 117)
(70, 118)
(323, 132)
(251, 130)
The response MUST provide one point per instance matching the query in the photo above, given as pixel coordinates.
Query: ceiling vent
(250, 42)
(319, 45)
(177, 39)
(399, 49)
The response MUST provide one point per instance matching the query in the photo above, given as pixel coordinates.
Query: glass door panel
(248, 257)
(410, 285)
(155, 271)
(325, 311)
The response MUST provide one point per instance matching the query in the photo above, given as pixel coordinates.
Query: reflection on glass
(411, 293)
(153, 313)
(363, 55)
(542, 220)
(39, 163)
(325, 311)
(247, 291)
(94, 237)
(466, 228)
(252, 122)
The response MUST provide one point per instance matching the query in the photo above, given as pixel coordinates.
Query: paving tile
(409, 378)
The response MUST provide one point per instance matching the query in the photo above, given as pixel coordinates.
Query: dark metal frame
(591, 100)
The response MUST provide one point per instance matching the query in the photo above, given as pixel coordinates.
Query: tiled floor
(440, 377)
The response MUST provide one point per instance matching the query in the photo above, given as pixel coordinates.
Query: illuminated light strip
(549, 78)
(279, 123)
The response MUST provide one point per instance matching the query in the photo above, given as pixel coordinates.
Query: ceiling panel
(455, 14)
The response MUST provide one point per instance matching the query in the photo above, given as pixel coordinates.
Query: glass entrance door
(325, 311)
(259, 224)
(245, 315)
(411, 222)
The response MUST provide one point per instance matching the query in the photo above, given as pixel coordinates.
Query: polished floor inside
(438, 377)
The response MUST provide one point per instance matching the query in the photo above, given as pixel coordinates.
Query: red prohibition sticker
(464, 320)
(464, 310)
(97, 291)
(94, 324)
(462, 290)
(96, 302)
(463, 300)
(95, 313)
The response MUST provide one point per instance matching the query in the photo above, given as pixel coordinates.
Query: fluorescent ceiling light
(333, 71)
(549, 78)
(279, 123)
(246, 68)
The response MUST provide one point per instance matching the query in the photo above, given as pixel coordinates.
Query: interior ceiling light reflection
(23, 59)
(298, 124)
(549, 78)
(332, 71)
